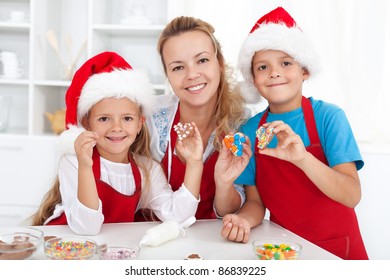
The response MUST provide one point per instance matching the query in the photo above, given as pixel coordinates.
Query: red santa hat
(276, 30)
(102, 76)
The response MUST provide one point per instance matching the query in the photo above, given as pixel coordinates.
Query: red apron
(117, 207)
(298, 205)
(207, 185)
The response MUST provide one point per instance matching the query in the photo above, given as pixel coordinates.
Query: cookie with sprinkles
(183, 130)
(264, 136)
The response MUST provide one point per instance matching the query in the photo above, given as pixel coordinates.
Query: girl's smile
(117, 123)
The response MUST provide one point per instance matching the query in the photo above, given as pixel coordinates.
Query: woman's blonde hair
(230, 108)
(139, 148)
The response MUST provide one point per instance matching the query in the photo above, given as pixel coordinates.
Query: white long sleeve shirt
(166, 204)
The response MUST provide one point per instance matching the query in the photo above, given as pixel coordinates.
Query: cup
(5, 105)
(17, 16)
(11, 65)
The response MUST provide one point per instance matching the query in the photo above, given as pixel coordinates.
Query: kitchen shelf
(103, 24)
(124, 29)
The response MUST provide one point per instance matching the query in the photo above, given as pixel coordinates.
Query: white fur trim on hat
(271, 36)
(118, 83)
(67, 138)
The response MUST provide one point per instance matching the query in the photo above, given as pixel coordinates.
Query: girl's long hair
(46, 209)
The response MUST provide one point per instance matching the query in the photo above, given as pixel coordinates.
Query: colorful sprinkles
(61, 249)
(235, 143)
(264, 136)
(271, 251)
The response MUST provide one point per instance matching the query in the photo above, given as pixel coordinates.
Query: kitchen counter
(202, 238)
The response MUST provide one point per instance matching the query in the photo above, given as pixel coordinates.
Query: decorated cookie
(193, 257)
(183, 130)
(234, 143)
(264, 136)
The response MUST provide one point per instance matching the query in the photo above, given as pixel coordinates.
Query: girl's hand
(290, 145)
(228, 166)
(83, 146)
(191, 147)
(235, 228)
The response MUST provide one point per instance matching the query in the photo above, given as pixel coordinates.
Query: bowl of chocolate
(19, 243)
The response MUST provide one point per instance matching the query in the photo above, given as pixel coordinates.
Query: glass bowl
(19, 243)
(276, 249)
(115, 251)
(70, 248)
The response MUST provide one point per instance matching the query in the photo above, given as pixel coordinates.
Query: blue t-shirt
(336, 136)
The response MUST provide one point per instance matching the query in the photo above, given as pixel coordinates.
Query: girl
(193, 62)
(307, 176)
(110, 174)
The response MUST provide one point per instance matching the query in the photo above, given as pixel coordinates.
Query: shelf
(125, 29)
(14, 81)
(52, 83)
(14, 26)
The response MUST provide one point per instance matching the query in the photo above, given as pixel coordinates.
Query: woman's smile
(196, 88)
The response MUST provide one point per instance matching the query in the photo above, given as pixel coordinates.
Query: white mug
(11, 65)
(17, 16)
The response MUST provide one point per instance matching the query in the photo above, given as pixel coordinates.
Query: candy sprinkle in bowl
(114, 251)
(70, 248)
(19, 243)
(276, 249)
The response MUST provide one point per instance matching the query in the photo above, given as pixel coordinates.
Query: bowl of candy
(70, 248)
(19, 243)
(276, 249)
(114, 251)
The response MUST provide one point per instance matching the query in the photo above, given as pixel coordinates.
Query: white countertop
(202, 238)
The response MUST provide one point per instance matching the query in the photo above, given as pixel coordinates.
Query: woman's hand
(83, 146)
(229, 166)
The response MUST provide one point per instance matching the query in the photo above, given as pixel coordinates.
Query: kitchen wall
(374, 209)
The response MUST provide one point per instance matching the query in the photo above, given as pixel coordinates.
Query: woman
(196, 70)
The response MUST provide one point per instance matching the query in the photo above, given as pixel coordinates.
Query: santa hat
(102, 76)
(276, 30)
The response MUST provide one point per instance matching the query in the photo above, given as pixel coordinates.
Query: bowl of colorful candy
(70, 248)
(114, 251)
(276, 249)
(19, 243)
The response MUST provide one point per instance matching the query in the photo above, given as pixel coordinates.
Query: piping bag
(167, 230)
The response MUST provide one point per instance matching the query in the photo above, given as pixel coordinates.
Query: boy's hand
(235, 228)
(290, 145)
(83, 146)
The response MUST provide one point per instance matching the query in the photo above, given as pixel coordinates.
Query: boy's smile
(278, 78)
